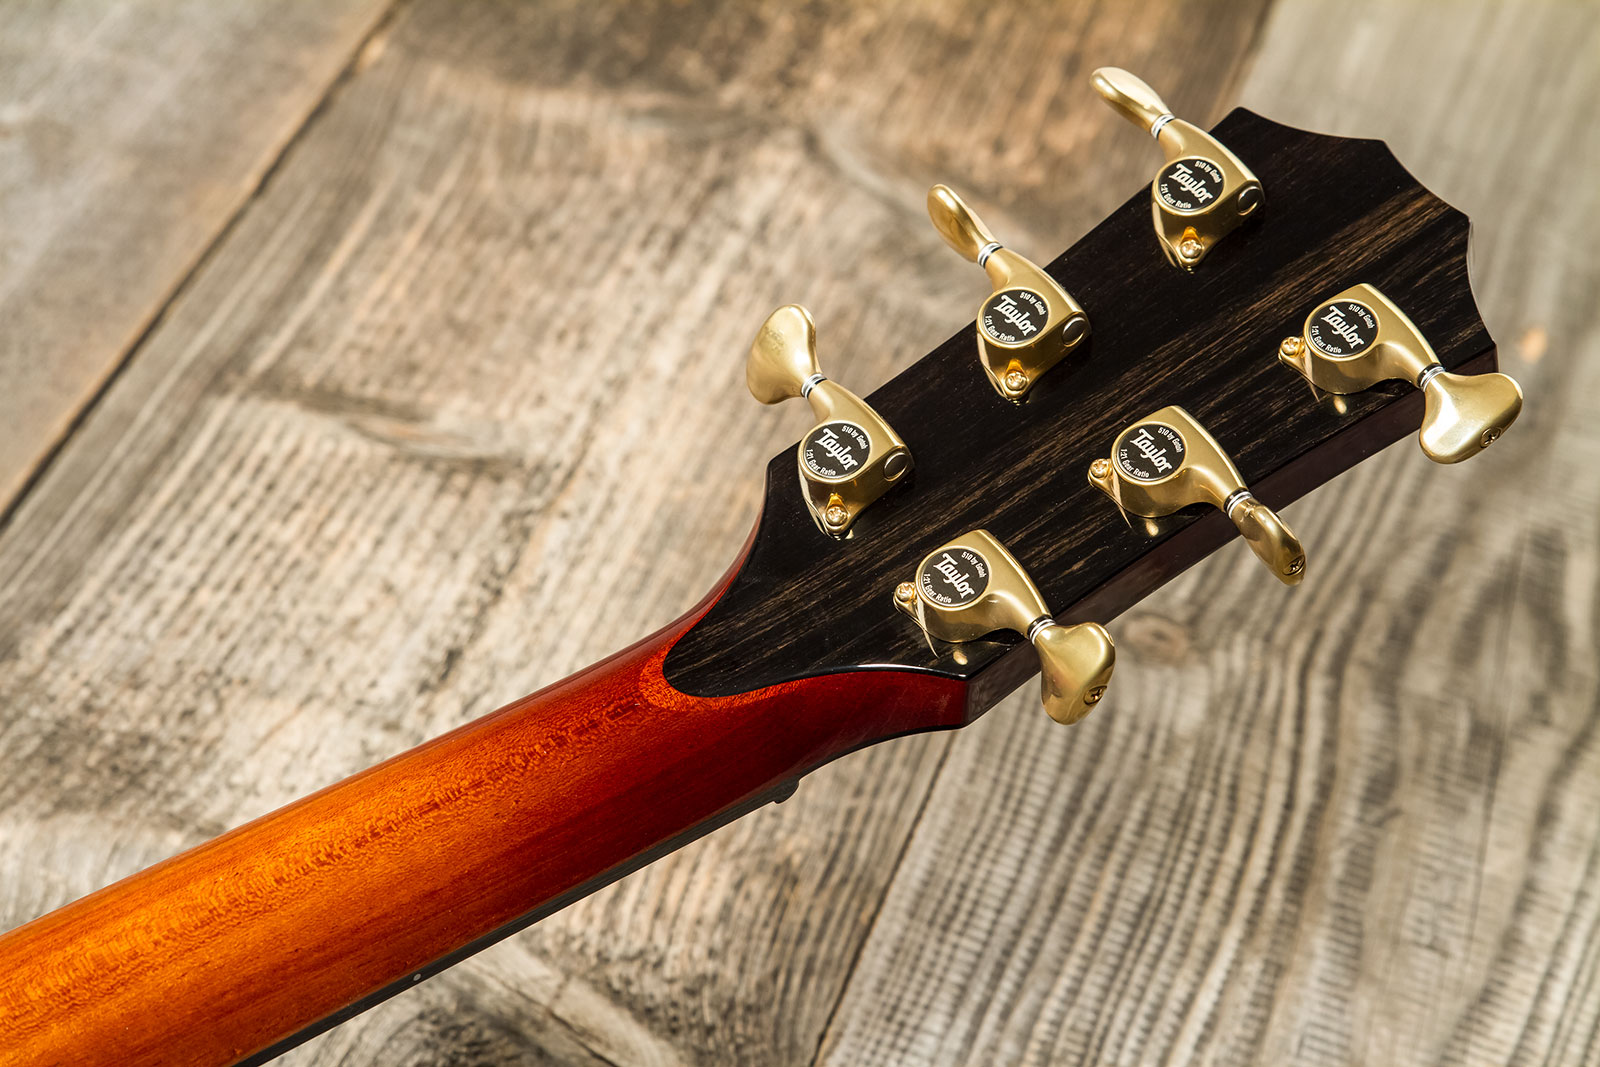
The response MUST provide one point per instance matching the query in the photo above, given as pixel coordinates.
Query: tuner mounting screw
(851, 456)
(1190, 249)
(1375, 342)
(1192, 469)
(1291, 346)
(1016, 381)
(905, 593)
(1093, 696)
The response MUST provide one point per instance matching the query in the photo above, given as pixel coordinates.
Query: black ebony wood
(1338, 211)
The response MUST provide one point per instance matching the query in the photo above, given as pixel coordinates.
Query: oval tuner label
(1342, 328)
(954, 577)
(835, 450)
(1014, 316)
(1189, 185)
(1150, 452)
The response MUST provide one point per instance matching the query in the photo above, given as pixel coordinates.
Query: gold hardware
(852, 456)
(1360, 338)
(1167, 461)
(1204, 192)
(973, 586)
(1029, 322)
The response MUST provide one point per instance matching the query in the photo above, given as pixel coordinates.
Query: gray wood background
(351, 356)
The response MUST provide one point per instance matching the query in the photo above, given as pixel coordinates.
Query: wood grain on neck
(268, 934)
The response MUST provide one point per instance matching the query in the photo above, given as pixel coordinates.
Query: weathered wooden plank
(429, 429)
(1354, 823)
(130, 133)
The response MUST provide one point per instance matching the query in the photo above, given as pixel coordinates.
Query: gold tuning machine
(1204, 192)
(973, 586)
(1167, 461)
(1360, 338)
(852, 456)
(1029, 322)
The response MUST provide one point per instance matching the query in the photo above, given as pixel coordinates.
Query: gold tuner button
(852, 456)
(1203, 192)
(1029, 322)
(1167, 461)
(1359, 338)
(973, 586)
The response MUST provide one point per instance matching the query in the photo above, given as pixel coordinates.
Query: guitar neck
(822, 639)
(250, 943)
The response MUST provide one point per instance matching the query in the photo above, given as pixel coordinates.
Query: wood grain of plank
(1356, 823)
(130, 133)
(428, 429)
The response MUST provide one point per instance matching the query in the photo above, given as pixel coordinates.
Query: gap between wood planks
(31, 478)
(1227, 90)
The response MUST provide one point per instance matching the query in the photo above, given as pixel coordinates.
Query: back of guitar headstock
(1206, 312)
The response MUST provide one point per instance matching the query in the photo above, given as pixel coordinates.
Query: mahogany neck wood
(248, 944)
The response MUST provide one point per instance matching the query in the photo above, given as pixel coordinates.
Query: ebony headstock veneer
(1338, 211)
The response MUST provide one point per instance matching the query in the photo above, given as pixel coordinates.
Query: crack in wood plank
(129, 162)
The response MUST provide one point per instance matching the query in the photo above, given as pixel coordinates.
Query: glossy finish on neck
(269, 932)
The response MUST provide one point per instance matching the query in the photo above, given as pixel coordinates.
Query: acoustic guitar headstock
(1275, 307)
